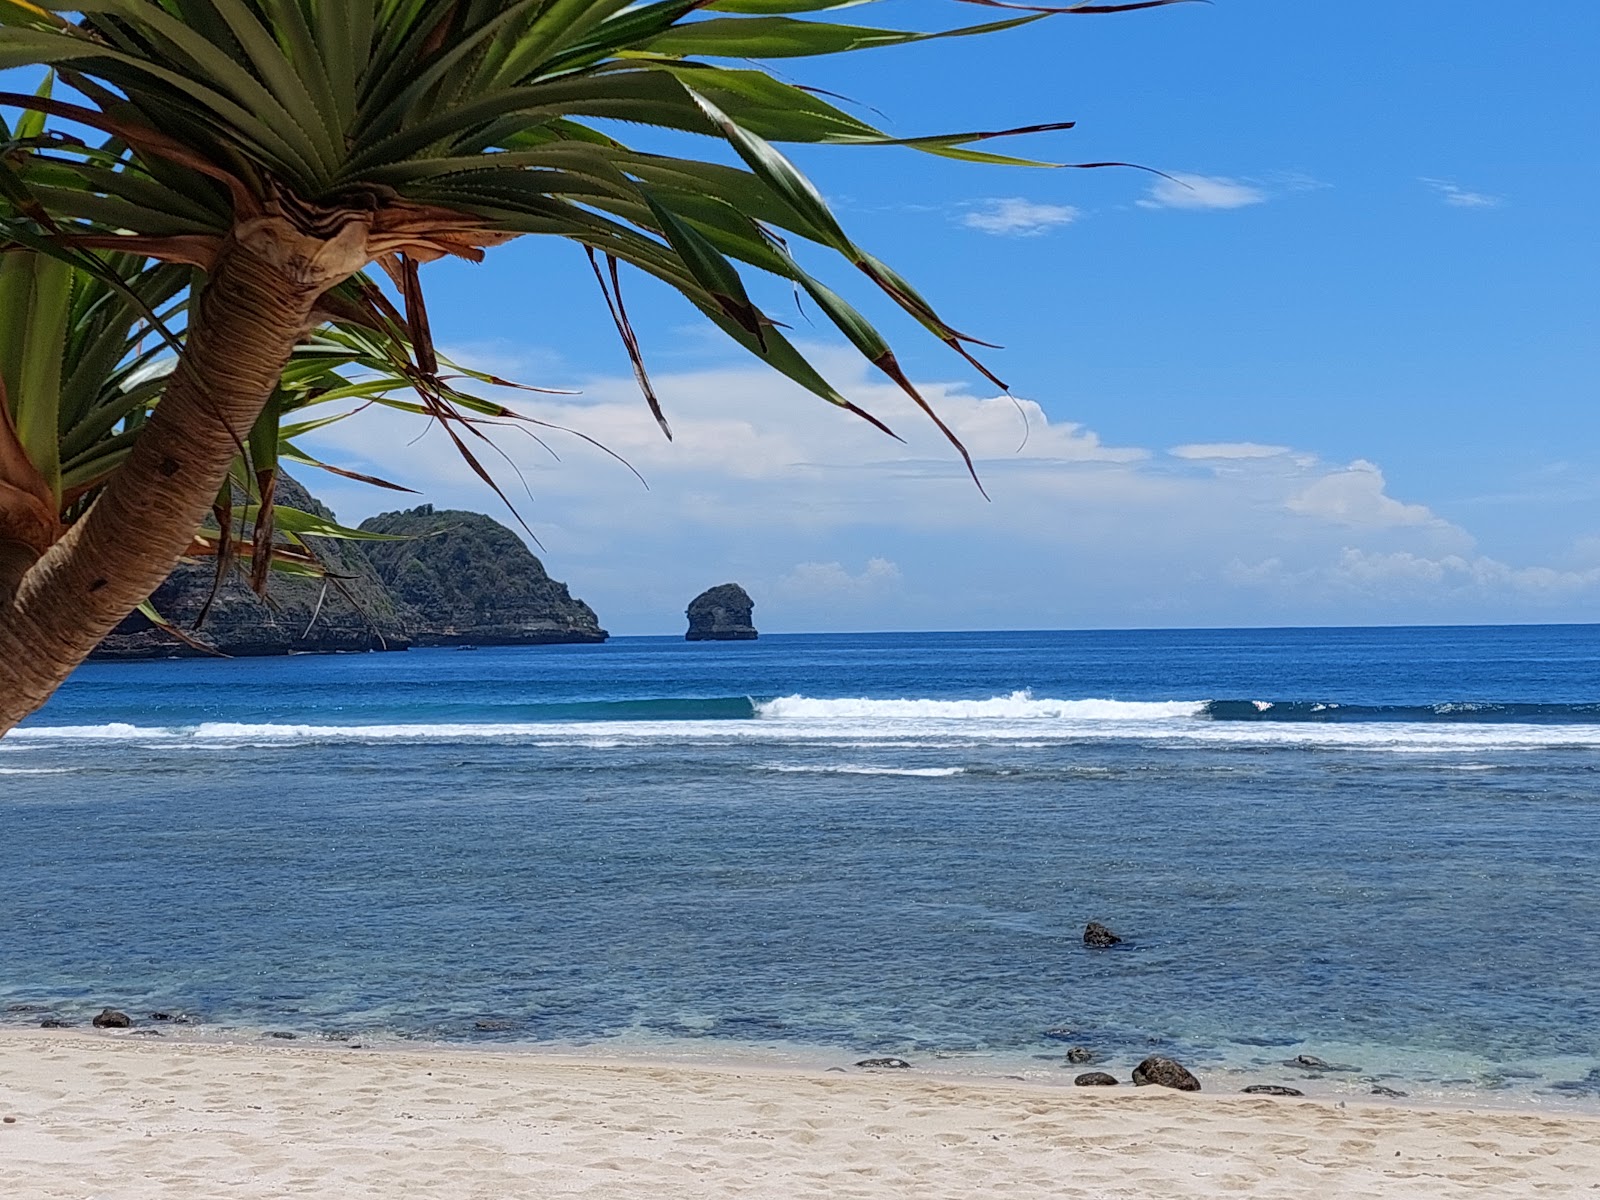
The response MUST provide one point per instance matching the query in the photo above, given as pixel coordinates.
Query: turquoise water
(1374, 846)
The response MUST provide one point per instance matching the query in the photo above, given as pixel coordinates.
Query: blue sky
(1348, 375)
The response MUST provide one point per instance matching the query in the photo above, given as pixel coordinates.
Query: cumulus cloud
(1355, 495)
(1016, 217)
(1227, 450)
(820, 515)
(1201, 191)
(1459, 197)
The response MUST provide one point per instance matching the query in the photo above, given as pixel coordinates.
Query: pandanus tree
(86, 354)
(280, 148)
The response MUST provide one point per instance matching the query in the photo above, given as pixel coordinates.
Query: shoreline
(128, 1118)
(980, 1068)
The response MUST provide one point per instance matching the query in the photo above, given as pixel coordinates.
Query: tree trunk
(255, 307)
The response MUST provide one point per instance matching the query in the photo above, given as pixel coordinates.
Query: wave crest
(1018, 706)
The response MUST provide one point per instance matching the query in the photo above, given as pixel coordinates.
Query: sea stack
(721, 614)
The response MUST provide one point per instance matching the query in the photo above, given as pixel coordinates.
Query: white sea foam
(36, 770)
(115, 731)
(1018, 720)
(1018, 706)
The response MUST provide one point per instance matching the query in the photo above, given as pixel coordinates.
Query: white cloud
(1405, 572)
(832, 525)
(1355, 495)
(1227, 450)
(830, 580)
(1016, 217)
(1459, 197)
(1201, 191)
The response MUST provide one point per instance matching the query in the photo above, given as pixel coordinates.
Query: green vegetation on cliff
(469, 579)
(350, 611)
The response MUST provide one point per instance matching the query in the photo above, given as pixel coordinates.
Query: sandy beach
(117, 1118)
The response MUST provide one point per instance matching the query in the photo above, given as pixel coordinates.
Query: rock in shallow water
(1271, 1089)
(1095, 1079)
(1098, 935)
(884, 1064)
(1393, 1093)
(1080, 1054)
(1164, 1072)
(1310, 1062)
(110, 1018)
(1589, 1083)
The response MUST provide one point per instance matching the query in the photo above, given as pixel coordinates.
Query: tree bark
(255, 307)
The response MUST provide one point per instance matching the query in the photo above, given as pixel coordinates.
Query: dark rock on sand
(1095, 1079)
(55, 1023)
(1393, 1093)
(1271, 1089)
(884, 1064)
(1080, 1054)
(1096, 934)
(721, 614)
(283, 1034)
(1310, 1062)
(1164, 1072)
(110, 1018)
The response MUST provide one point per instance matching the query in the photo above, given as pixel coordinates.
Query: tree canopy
(218, 176)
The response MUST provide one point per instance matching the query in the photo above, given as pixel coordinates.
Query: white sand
(110, 1116)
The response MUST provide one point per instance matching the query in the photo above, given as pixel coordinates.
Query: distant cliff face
(303, 615)
(467, 579)
(721, 614)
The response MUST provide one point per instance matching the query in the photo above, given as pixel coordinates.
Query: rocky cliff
(721, 614)
(300, 615)
(467, 579)
(463, 579)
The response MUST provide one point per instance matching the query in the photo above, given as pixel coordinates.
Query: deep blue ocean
(1375, 846)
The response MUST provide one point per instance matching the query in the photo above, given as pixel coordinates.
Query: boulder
(464, 579)
(1164, 1072)
(1080, 1054)
(110, 1018)
(1271, 1089)
(55, 1023)
(1095, 1079)
(1096, 934)
(721, 614)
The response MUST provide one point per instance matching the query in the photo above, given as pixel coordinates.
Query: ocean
(1376, 847)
